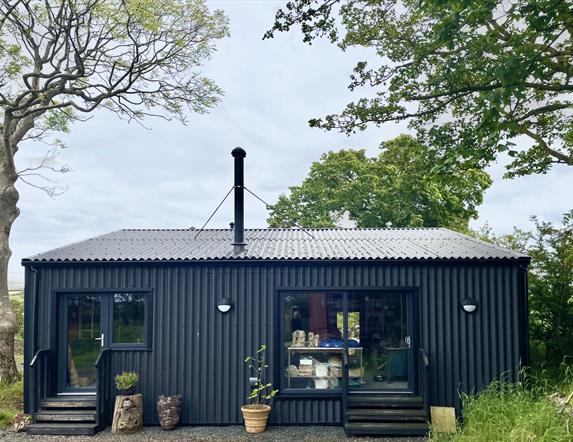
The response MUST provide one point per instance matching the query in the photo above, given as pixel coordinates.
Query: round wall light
(469, 305)
(224, 305)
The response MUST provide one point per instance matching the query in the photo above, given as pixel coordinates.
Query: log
(127, 414)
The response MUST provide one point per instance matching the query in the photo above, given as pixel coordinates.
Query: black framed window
(312, 341)
(128, 318)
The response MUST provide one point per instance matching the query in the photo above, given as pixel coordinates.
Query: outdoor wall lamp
(469, 305)
(224, 305)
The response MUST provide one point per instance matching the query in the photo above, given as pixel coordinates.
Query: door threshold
(381, 392)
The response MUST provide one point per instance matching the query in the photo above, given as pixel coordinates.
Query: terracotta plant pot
(256, 417)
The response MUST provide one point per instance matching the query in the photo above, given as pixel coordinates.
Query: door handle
(408, 341)
(101, 339)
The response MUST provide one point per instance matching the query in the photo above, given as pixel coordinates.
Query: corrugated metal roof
(278, 244)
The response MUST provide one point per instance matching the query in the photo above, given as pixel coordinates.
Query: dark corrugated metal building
(399, 313)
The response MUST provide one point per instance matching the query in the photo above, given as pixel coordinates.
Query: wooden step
(67, 402)
(59, 415)
(384, 401)
(386, 415)
(62, 429)
(386, 428)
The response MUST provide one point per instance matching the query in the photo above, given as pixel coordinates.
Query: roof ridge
(258, 229)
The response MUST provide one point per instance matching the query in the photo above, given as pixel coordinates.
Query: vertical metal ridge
(198, 352)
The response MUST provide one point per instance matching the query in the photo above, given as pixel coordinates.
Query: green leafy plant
(397, 187)
(262, 391)
(513, 412)
(126, 381)
(473, 78)
(11, 402)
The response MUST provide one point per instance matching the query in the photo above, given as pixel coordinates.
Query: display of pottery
(298, 338)
(313, 340)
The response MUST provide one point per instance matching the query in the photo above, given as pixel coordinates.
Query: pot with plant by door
(256, 413)
(128, 410)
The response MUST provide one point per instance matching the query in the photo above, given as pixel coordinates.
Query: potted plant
(128, 410)
(256, 413)
(126, 381)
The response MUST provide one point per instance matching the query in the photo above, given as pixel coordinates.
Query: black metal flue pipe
(239, 241)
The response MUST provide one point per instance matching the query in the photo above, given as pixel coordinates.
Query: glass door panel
(83, 340)
(379, 342)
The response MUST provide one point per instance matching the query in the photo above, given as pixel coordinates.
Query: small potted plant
(126, 381)
(256, 413)
(128, 410)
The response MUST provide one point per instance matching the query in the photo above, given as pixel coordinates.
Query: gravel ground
(232, 433)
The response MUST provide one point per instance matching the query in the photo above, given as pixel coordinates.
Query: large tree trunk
(8, 213)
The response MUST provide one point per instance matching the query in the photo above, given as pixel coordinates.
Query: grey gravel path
(231, 433)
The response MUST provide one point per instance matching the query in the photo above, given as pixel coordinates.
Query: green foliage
(471, 76)
(136, 58)
(262, 390)
(513, 413)
(550, 287)
(17, 302)
(398, 187)
(126, 380)
(11, 402)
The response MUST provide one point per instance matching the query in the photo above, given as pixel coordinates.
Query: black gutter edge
(519, 260)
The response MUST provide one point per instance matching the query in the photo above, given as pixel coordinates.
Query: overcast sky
(173, 176)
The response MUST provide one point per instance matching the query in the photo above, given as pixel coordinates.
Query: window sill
(130, 347)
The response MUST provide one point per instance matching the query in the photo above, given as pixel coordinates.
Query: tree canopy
(478, 77)
(395, 187)
(61, 60)
(550, 286)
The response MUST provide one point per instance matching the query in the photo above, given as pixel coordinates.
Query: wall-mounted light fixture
(469, 305)
(224, 305)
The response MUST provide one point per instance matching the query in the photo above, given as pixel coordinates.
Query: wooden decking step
(69, 402)
(76, 429)
(389, 401)
(59, 415)
(386, 428)
(386, 414)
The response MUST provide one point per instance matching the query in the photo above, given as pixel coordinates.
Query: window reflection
(128, 318)
(313, 340)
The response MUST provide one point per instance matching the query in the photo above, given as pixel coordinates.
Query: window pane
(128, 318)
(312, 340)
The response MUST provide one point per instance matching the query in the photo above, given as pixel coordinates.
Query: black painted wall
(199, 352)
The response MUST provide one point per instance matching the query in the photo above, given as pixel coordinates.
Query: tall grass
(515, 413)
(11, 396)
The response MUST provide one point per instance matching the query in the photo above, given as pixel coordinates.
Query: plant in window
(256, 413)
(126, 381)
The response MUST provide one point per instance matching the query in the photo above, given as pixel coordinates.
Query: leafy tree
(394, 187)
(550, 287)
(61, 59)
(470, 75)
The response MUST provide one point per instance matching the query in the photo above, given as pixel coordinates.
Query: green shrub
(126, 381)
(17, 301)
(513, 413)
(11, 402)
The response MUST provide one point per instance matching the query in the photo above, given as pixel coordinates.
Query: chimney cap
(239, 152)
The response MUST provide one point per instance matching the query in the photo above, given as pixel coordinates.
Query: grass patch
(514, 413)
(11, 397)
(17, 301)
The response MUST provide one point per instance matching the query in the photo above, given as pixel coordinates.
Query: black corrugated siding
(199, 352)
